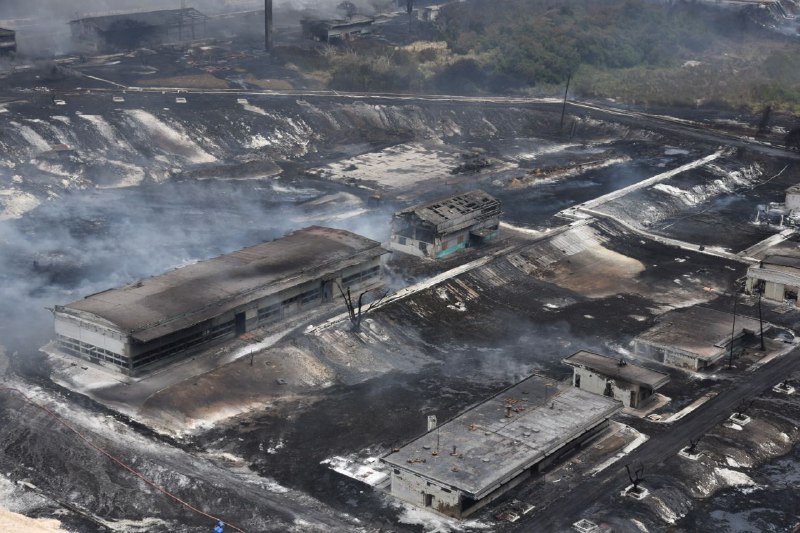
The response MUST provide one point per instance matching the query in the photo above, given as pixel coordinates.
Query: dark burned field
(601, 285)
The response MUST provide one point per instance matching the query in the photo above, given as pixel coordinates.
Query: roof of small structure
(164, 17)
(6, 33)
(456, 211)
(611, 367)
(794, 188)
(492, 449)
(338, 23)
(163, 304)
(698, 330)
(782, 260)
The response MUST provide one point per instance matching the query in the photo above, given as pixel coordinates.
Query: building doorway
(428, 500)
(240, 323)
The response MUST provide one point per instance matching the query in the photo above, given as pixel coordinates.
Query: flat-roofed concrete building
(333, 31)
(476, 457)
(439, 228)
(617, 378)
(159, 319)
(696, 337)
(776, 277)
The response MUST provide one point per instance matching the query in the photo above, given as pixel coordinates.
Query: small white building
(631, 384)
(776, 277)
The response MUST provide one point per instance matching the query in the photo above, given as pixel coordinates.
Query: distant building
(159, 319)
(8, 42)
(776, 277)
(792, 201)
(332, 31)
(476, 457)
(696, 338)
(439, 228)
(631, 384)
(136, 30)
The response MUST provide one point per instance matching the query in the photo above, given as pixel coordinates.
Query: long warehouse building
(158, 319)
(478, 456)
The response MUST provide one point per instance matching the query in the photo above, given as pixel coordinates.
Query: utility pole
(268, 25)
(733, 331)
(564, 107)
(761, 322)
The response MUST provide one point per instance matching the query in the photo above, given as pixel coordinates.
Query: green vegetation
(631, 50)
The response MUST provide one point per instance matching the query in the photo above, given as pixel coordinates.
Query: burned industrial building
(439, 228)
(697, 338)
(8, 42)
(632, 384)
(158, 319)
(473, 459)
(333, 31)
(135, 30)
(776, 277)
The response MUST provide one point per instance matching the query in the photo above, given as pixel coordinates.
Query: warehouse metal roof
(490, 448)
(611, 367)
(164, 17)
(782, 260)
(160, 305)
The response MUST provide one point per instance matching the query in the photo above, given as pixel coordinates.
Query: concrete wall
(792, 200)
(425, 493)
(409, 246)
(671, 357)
(596, 383)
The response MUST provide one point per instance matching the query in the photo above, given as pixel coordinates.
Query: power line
(118, 461)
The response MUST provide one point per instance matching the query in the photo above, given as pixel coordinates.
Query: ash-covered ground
(96, 193)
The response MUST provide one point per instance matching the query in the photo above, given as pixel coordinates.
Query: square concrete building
(776, 278)
(617, 378)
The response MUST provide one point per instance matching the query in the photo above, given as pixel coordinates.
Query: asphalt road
(663, 445)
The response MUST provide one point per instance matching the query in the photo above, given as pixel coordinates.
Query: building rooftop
(699, 330)
(164, 17)
(156, 306)
(782, 260)
(610, 367)
(6, 33)
(794, 188)
(455, 211)
(492, 449)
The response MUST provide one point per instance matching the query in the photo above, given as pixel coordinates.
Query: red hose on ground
(116, 460)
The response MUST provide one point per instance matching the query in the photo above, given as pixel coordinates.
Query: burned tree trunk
(355, 311)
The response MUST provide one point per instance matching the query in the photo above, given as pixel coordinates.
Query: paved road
(662, 446)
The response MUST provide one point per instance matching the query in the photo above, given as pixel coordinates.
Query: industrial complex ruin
(158, 319)
(333, 267)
